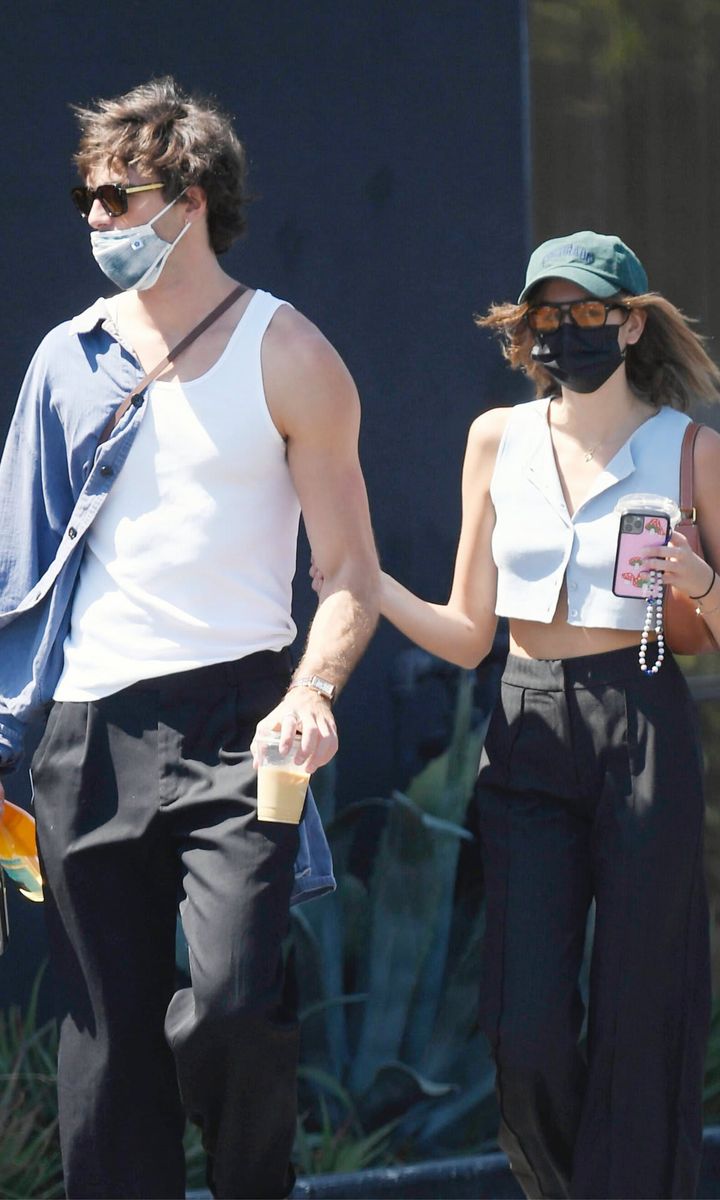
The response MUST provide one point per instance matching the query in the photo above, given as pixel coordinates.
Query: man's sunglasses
(587, 314)
(112, 196)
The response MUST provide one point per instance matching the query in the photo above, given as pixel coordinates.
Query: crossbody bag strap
(170, 357)
(687, 464)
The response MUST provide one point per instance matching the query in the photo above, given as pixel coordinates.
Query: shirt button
(573, 612)
(106, 470)
(573, 587)
(72, 533)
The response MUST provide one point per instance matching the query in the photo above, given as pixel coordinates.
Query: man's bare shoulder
(293, 340)
(305, 377)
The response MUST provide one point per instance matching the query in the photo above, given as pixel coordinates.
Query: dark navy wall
(388, 147)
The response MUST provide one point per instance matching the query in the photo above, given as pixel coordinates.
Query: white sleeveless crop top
(536, 543)
(191, 559)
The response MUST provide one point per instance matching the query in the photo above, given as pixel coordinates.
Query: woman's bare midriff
(533, 639)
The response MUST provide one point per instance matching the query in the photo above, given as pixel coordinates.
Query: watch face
(324, 686)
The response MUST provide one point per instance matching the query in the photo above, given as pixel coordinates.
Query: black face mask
(582, 359)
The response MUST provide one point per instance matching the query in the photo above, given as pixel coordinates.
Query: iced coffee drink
(282, 783)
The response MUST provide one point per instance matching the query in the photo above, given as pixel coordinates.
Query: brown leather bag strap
(687, 463)
(170, 357)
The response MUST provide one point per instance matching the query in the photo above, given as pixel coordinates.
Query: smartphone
(638, 532)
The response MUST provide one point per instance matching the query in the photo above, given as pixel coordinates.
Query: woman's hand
(680, 567)
(316, 576)
(318, 581)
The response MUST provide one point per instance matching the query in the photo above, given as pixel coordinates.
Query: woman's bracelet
(707, 589)
(701, 612)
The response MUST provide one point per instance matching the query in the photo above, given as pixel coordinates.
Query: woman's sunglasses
(587, 314)
(112, 196)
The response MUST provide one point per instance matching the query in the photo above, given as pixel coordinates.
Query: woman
(590, 783)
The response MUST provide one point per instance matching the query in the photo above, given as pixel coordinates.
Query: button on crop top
(536, 543)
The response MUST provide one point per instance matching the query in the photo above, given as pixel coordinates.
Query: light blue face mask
(134, 258)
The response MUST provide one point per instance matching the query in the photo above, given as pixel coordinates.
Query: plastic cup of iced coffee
(282, 783)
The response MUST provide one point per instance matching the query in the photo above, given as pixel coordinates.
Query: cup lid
(648, 502)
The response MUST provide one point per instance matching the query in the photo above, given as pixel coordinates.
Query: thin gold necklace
(589, 452)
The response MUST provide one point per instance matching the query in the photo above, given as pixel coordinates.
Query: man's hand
(302, 710)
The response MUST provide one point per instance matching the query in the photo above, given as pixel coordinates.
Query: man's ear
(195, 202)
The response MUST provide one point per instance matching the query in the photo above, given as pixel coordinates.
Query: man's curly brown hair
(175, 138)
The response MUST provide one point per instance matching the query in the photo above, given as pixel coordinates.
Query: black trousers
(143, 799)
(591, 787)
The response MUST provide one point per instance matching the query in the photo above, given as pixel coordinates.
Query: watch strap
(323, 687)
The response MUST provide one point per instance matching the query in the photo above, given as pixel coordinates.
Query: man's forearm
(341, 629)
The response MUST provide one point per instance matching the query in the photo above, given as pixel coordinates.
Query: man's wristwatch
(323, 686)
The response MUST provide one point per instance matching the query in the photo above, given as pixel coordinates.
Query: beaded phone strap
(653, 617)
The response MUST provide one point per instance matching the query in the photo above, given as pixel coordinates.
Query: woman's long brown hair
(667, 365)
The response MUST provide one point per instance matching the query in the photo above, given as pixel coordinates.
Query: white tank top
(191, 559)
(536, 543)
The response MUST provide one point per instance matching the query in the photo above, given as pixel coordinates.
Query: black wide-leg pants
(144, 799)
(591, 787)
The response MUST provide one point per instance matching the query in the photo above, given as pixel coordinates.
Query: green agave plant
(388, 970)
(30, 1164)
(30, 1155)
(339, 1146)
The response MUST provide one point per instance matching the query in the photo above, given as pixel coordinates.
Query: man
(147, 593)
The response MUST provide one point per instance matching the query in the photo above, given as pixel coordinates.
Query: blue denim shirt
(53, 482)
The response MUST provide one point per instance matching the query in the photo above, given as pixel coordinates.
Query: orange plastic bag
(18, 850)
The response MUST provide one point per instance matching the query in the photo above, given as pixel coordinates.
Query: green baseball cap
(599, 262)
